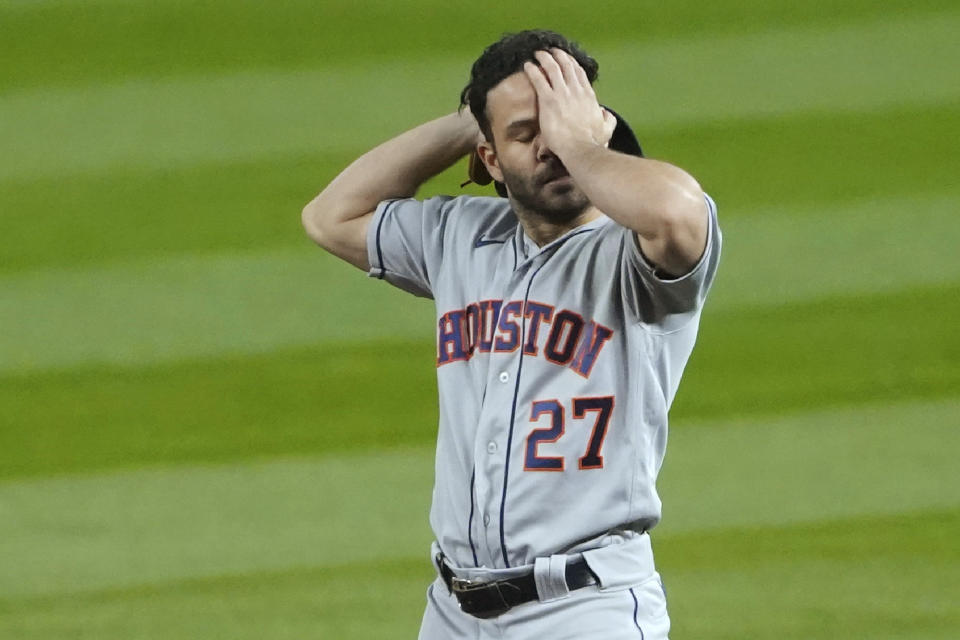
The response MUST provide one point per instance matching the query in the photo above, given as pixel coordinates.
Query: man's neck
(544, 231)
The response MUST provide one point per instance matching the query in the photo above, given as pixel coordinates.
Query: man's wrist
(575, 152)
(467, 132)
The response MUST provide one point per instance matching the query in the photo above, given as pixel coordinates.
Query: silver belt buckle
(460, 585)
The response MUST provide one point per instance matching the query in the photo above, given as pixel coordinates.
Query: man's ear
(488, 155)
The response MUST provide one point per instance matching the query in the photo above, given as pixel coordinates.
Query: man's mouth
(555, 175)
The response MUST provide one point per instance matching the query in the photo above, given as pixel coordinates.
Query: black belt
(490, 599)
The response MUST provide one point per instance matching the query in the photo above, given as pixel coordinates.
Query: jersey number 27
(602, 406)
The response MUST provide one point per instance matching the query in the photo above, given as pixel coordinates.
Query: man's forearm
(661, 203)
(638, 193)
(397, 168)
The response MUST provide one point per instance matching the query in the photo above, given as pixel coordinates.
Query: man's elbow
(686, 229)
(680, 234)
(680, 211)
(338, 230)
(691, 212)
(315, 223)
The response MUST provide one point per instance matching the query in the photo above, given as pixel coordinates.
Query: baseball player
(566, 311)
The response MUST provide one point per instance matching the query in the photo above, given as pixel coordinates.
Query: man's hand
(570, 115)
(661, 203)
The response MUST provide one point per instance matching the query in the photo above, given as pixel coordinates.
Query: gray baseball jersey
(556, 366)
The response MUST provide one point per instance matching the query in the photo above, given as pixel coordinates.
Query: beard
(537, 194)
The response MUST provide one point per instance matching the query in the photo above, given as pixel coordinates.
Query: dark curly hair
(505, 57)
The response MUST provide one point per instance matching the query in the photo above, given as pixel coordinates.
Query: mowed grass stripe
(756, 362)
(776, 167)
(790, 253)
(867, 577)
(336, 398)
(154, 525)
(118, 530)
(877, 348)
(188, 307)
(375, 600)
(70, 42)
(818, 162)
(248, 115)
(163, 124)
(195, 306)
(881, 458)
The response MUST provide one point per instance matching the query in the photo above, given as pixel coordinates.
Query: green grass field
(210, 429)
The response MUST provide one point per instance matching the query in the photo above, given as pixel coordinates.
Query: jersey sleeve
(405, 242)
(671, 302)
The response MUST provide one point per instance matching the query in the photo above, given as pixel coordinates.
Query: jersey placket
(495, 446)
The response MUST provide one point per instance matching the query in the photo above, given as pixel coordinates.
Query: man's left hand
(570, 115)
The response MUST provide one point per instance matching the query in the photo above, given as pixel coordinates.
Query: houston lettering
(563, 337)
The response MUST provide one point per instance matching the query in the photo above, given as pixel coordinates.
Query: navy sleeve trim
(383, 270)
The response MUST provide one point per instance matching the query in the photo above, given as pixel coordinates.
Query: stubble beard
(558, 204)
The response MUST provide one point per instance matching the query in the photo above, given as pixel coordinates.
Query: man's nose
(543, 151)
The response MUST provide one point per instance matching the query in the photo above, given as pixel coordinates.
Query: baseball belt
(493, 598)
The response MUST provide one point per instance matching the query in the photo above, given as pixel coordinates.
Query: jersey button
(504, 376)
(486, 519)
(491, 447)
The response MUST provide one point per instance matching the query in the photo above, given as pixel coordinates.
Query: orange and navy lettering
(489, 312)
(537, 313)
(532, 460)
(564, 336)
(451, 337)
(495, 325)
(508, 327)
(594, 337)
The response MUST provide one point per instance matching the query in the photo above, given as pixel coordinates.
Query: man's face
(535, 178)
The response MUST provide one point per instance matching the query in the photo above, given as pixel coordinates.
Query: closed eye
(523, 130)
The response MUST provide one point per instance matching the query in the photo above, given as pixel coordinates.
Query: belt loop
(550, 576)
(445, 573)
(622, 563)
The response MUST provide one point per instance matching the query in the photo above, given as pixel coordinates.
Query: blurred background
(209, 428)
